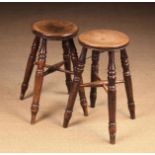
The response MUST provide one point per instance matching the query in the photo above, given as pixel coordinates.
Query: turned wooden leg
(75, 87)
(128, 83)
(38, 80)
(83, 100)
(29, 67)
(112, 97)
(74, 58)
(94, 70)
(67, 64)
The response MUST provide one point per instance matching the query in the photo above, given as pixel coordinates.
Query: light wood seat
(103, 39)
(55, 29)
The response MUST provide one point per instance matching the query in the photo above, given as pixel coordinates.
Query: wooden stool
(101, 41)
(51, 30)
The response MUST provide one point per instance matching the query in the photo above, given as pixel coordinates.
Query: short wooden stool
(51, 30)
(103, 40)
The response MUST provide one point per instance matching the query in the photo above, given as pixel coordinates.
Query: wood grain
(103, 39)
(55, 29)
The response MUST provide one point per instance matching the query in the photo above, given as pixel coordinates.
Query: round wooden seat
(103, 39)
(55, 29)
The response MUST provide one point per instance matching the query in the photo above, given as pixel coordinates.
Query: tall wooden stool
(51, 30)
(102, 40)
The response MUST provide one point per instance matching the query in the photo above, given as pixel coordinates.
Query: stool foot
(85, 109)
(112, 139)
(132, 111)
(34, 111)
(93, 98)
(83, 103)
(23, 90)
(21, 96)
(65, 124)
(86, 112)
(67, 117)
(33, 119)
(29, 67)
(83, 100)
(128, 83)
(112, 132)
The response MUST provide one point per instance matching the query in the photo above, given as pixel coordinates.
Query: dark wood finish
(103, 39)
(94, 71)
(38, 80)
(29, 67)
(56, 67)
(53, 68)
(74, 58)
(103, 85)
(52, 30)
(67, 64)
(100, 41)
(83, 100)
(65, 71)
(128, 83)
(112, 96)
(75, 87)
(99, 83)
(55, 29)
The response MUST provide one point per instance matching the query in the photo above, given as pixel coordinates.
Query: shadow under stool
(102, 40)
(45, 30)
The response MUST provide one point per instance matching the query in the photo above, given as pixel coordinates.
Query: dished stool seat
(103, 40)
(51, 30)
(55, 29)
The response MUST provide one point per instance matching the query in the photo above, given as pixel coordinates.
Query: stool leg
(83, 100)
(128, 83)
(75, 87)
(29, 67)
(74, 58)
(38, 80)
(94, 69)
(67, 64)
(112, 97)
